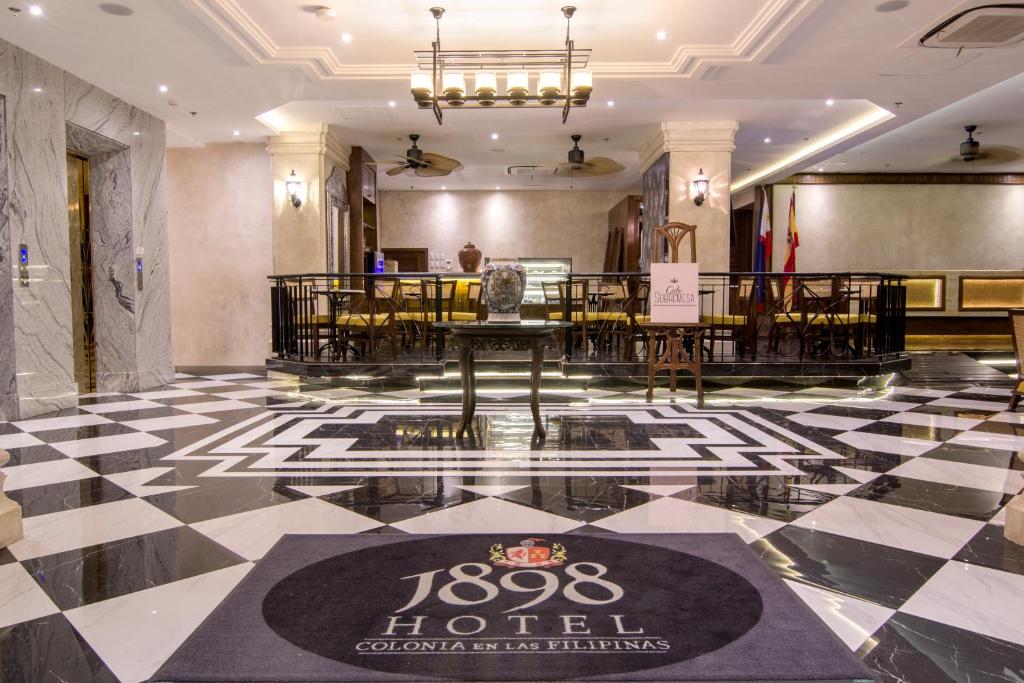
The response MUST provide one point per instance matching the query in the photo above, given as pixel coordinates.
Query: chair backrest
(674, 233)
(577, 296)
(1017, 332)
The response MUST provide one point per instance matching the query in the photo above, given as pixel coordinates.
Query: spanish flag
(792, 242)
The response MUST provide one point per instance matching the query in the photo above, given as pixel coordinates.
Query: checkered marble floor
(882, 509)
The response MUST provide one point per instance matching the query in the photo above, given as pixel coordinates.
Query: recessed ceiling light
(444, 187)
(611, 103)
(830, 102)
(821, 170)
(37, 90)
(346, 37)
(661, 35)
(135, 133)
(162, 88)
(767, 141)
(497, 187)
(392, 103)
(236, 133)
(35, 10)
(494, 136)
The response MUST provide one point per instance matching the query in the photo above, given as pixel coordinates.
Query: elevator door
(81, 273)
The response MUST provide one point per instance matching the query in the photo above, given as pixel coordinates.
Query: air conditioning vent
(979, 27)
(532, 170)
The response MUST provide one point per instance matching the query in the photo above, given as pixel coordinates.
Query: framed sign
(675, 296)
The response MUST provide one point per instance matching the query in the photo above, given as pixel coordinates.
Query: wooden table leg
(472, 389)
(536, 366)
(651, 360)
(466, 371)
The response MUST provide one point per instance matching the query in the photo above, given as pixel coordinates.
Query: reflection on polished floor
(882, 509)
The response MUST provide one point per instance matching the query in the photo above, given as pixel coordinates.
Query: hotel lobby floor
(882, 510)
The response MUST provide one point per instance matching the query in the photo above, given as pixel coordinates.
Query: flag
(763, 250)
(792, 242)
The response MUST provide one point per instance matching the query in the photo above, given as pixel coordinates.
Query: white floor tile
(934, 421)
(659, 489)
(745, 392)
(166, 393)
(491, 489)
(1013, 418)
(1006, 442)
(202, 384)
(784, 405)
(43, 473)
(66, 422)
(962, 474)
(861, 476)
(234, 375)
(70, 529)
(251, 534)
(883, 443)
(279, 384)
(121, 406)
(924, 393)
(488, 515)
(107, 444)
(988, 391)
(134, 634)
(975, 598)
(970, 403)
(671, 515)
(156, 424)
(21, 598)
(216, 406)
(999, 519)
(852, 619)
(893, 525)
(831, 489)
(247, 394)
(18, 440)
(865, 403)
(837, 422)
(136, 482)
(317, 490)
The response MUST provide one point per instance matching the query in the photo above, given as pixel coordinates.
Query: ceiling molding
(298, 142)
(904, 179)
(755, 42)
(689, 136)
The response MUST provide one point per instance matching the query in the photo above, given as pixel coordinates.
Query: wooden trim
(942, 293)
(904, 179)
(960, 293)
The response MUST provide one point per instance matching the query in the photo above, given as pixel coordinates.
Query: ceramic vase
(503, 283)
(469, 258)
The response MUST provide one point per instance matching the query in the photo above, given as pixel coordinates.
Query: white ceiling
(769, 64)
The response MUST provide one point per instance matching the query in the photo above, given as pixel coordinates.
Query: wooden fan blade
(441, 162)
(597, 166)
(431, 171)
(999, 154)
(397, 170)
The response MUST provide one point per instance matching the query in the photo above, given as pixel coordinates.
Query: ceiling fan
(422, 163)
(971, 151)
(577, 165)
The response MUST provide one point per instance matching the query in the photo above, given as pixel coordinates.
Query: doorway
(80, 251)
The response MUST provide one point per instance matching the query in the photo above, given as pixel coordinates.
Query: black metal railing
(752, 316)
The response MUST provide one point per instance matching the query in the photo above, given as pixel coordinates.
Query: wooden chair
(1017, 332)
(375, 318)
(471, 311)
(554, 301)
(735, 320)
(674, 233)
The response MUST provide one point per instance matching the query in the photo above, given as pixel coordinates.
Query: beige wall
(903, 227)
(220, 201)
(536, 223)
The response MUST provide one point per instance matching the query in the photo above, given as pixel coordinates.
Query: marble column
(10, 512)
(692, 146)
(300, 233)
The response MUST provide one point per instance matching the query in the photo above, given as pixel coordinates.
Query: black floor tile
(972, 455)
(67, 495)
(224, 497)
(945, 499)
(990, 548)
(877, 573)
(49, 650)
(99, 572)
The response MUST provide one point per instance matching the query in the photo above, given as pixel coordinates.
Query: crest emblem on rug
(531, 552)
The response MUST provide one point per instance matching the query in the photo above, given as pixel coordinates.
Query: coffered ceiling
(769, 64)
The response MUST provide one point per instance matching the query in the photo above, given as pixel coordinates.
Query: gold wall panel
(926, 293)
(991, 293)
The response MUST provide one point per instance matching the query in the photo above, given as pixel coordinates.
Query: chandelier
(562, 76)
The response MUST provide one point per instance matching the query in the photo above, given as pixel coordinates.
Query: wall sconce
(293, 186)
(700, 188)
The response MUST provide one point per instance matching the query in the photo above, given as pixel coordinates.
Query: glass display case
(540, 270)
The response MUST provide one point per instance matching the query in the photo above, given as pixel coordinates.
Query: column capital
(689, 136)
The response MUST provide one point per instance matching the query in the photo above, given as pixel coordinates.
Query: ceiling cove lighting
(563, 76)
(851, 128)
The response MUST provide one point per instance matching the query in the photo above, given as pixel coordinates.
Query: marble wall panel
(40, 101)
(8, 265)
